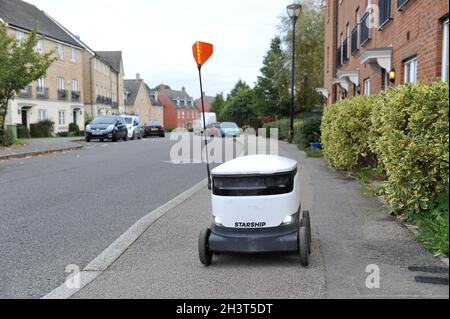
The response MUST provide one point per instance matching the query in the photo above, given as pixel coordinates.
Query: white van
(210, 118)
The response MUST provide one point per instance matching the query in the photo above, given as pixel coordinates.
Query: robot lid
(256, 165)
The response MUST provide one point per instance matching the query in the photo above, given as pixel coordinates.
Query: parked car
(154, 128)
(229, 129)
(135, 129)
(107, 128)
(213, 130)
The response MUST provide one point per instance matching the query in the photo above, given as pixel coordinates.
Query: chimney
(183, 89)
(138, 76)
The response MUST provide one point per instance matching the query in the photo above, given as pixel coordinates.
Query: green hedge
(308, 132)
(410, 135)
(42, 129)
(23, 132)
(74, 129)
(283, 127)
(345, 134)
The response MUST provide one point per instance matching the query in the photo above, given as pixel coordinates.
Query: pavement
(67, 208)
(35, 147)
(353, 238)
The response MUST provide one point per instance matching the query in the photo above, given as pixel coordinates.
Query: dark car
(154, 128)
(107, 128)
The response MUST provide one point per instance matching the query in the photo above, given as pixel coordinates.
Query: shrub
(283, 127)
(7, 138)
(410, 136)
(74, 129)
(63, 134)
(307, 133)
(345, 134)
(87, 119)
(44, 128)
(23, 132)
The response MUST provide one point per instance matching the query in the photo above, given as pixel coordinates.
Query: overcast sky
(156, 36)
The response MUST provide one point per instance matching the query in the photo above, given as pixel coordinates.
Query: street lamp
(294, 11)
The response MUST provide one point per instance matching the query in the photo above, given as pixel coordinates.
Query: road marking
(118, 248)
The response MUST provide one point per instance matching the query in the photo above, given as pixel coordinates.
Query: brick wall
(416, 30)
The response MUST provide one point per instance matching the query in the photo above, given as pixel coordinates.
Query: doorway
(75, 116)
(24, 113)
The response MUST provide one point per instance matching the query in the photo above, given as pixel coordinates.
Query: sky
(156, 36)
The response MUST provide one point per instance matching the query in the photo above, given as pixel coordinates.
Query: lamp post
(294, 11)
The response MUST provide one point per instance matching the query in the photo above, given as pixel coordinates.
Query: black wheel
(114, 138)
(162, 135)
(88, 140)
(307, 218)
(125, 138)
(303, 246)
(303, 223)
(203, 247)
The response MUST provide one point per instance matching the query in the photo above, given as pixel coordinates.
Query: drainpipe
(92, 84)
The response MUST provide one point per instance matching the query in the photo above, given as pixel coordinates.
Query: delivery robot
(257, 209)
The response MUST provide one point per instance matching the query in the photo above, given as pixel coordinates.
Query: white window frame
(42, 115)
(411, 67)
(74, 85)
(60, 52)
(40, 47)
(367, 87)
(61, 117)
(73, 55)
(40, 86)
(445, 53)
(20, 36)
(61, 84)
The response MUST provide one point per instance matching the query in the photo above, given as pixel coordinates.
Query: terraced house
(137, 99)
(179, 108)
(371, 45)
(103, 82)
(59, 95)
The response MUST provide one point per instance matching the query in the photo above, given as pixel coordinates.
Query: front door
(75, 117)
(24, 117)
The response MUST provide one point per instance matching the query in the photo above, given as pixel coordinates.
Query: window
(73, 57)
(182, 115)
(20, 36)
(60, 52)
(62, 118)
(384, 12)
(40, 47)
(445, 68)
(179, 115)
(40, 85)
(367, 87)
(365, 29)
(42, 115)
(401, 4)
(74, 85)
(411, 71)
(61, 84)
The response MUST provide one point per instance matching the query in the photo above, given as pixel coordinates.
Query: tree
(20, 65)
(238, 86)
(272, 87)
(218, 104)
(165, 86)
(309, 53)
(240, 108)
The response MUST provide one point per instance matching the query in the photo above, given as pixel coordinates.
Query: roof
(182, 95)
(256, 165)
(209, 100)
(132, 88)
(113, 58)
(153, 94)
(26, 16)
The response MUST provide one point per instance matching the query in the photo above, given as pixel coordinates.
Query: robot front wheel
(203, 247)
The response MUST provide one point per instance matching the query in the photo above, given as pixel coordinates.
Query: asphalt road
(67, 208)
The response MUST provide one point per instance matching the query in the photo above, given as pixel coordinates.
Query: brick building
(179, 108)
(373, 44)
(208, 101)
